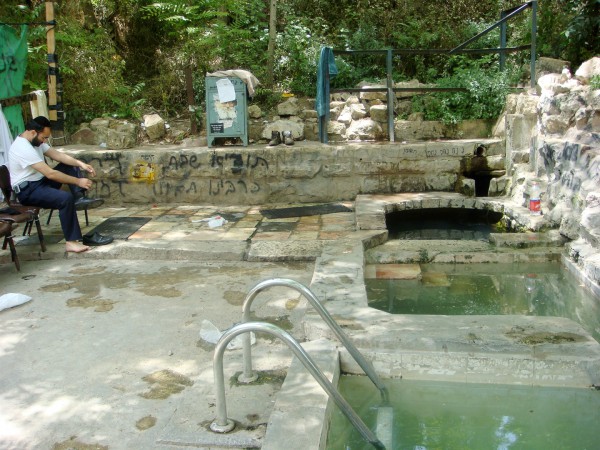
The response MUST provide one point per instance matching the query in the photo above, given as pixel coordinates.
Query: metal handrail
(248, 374)
(222, 424)
(502, 51)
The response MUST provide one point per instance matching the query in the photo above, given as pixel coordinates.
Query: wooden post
(189, 87)
(51, 42)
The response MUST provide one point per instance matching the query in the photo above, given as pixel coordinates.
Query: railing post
(390, 95)
(533, 41)
(503, 27)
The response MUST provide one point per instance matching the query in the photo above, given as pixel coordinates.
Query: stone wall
(259, 174)
(353, 118)
(553, 137)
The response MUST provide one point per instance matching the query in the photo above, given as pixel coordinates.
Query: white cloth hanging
(39, 106)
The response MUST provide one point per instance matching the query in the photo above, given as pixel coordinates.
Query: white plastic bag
(11, 300)
(211, 334)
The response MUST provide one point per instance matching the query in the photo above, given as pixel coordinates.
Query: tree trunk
(271, 46)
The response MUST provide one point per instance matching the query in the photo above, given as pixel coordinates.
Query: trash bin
(226, 109)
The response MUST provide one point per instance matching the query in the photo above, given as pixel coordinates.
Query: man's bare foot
(76, 247)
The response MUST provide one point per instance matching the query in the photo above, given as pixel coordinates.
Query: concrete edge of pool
(467, 349)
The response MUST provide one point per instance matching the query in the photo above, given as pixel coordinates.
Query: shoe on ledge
(96, 239)
(88, 203)
(287, 137)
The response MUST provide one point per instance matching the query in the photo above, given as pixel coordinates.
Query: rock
(84, 136)
(365, 130)
(345, 116)
(336, 131)
(405, 85)
(310, 114)
(117, 140)
(99, 123)
(358, 111)
(289, 108)
(550, 65)
(373, 95)
(155, 126)
(588, 69)
(254, 112)
(379, 113)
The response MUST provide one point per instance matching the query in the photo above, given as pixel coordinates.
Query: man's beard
(36, 142)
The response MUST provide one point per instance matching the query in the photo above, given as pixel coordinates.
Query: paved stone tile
(146, 235)
(272, 236)
(199, 235)
(238, 234)
(304, 235)
(332, 235)
(308, 227)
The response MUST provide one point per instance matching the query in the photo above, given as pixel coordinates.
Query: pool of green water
(545, 289)
(441, 415)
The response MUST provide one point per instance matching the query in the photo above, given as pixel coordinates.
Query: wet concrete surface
(106, 350)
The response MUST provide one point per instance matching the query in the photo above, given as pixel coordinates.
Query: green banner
(13, 62)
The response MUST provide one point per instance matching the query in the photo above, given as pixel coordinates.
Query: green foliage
(119, 56)
(595, 82)
(296, 59)
(485, 96)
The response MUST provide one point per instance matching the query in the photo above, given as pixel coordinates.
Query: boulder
(364, 130)
(155, 126)
(373, 95)
(118, 140)
(289, 108)
(550, 65)
(336, 131)
(254, 112)
(84, 136)
(345, 116)
(588, 69)
(379, 113)
(358, 111)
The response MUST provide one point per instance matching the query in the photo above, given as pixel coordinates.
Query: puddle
(235, 298)
(274, 377)
(544, 337)
(74, 444)
(145, 423)
(99, 305)
(164, 383)
(159, 284)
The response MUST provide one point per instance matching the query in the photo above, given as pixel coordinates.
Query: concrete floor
(108, 349)
(108, 352)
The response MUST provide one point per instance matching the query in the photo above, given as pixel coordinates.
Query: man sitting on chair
(37, 184)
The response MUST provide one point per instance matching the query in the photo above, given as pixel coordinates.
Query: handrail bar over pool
(222, 424)
(248, 374)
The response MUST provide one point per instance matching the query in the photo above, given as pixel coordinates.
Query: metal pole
(533, 40)
(502, 41)
(390, 95)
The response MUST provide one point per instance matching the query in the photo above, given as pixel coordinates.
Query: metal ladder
(248, 375)
(222, 424)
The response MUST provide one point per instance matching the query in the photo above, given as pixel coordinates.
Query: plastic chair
(6, 229)
(18, 213)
